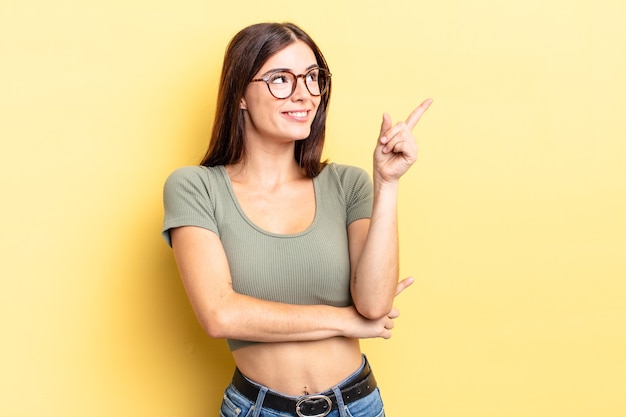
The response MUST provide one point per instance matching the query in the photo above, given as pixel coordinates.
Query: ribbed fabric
(311, 267)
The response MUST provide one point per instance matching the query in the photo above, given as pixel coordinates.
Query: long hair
(245, 55)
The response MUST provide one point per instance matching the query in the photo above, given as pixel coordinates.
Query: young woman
(289, 258)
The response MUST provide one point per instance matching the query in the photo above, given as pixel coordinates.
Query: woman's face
(286, 120)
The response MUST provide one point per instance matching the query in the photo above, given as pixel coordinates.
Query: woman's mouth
(297, 114)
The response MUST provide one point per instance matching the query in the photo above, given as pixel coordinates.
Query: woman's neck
(266, 168)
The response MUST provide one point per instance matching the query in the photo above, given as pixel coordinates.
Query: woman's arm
(224, 313)
(374, 243)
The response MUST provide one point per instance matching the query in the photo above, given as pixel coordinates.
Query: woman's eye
(279, 79)
(312, 77)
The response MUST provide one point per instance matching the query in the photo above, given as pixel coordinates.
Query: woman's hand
(396, 149)
(359, 327)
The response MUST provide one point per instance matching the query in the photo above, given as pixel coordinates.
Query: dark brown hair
(245, 55)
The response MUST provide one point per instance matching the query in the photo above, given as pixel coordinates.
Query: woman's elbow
(373, 311)
(215, 324)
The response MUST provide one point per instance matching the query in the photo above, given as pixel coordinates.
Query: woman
(291, 259)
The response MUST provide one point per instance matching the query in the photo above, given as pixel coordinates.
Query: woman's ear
(242, 104)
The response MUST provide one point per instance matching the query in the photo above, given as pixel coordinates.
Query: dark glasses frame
(321, 71)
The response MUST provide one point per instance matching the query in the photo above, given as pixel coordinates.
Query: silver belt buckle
(314, 397)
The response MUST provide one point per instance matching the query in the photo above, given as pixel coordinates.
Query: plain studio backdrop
(513, 221)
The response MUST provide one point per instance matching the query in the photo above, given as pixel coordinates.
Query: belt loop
(340, 405)
(258, 405)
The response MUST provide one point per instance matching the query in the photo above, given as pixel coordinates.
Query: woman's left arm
(373, 243)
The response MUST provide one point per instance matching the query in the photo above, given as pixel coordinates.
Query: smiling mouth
(297, 113)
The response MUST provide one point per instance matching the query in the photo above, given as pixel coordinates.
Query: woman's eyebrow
(268, 72)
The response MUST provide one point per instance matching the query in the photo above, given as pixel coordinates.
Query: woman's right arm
(223, 313)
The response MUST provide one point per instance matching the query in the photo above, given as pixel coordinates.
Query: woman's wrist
(386, 185)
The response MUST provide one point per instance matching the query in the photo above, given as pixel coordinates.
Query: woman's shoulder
(346, 174)
(192, 174)
(354, 186)
(189, 199)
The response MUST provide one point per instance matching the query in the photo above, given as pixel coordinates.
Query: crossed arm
(224, 313)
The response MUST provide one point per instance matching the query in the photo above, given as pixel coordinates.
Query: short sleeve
(187, 201)
(358, 192)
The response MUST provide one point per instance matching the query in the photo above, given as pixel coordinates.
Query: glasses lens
(281, 84)
(312, 81)
(316, 81)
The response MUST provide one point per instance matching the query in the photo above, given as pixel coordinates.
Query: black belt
(316, 405)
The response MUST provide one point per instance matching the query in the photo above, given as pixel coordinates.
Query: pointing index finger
(416, 115)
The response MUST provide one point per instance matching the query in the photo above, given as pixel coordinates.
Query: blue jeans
(236, 405)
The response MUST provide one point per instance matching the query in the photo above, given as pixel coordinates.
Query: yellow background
(513, 221)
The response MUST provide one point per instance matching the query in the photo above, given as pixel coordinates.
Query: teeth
(297, 113)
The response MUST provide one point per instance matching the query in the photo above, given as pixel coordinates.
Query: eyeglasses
(282, 84)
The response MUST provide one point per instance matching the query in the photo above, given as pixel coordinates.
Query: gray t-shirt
(310, 267)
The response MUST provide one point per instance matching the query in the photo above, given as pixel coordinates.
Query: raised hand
(396, 149)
